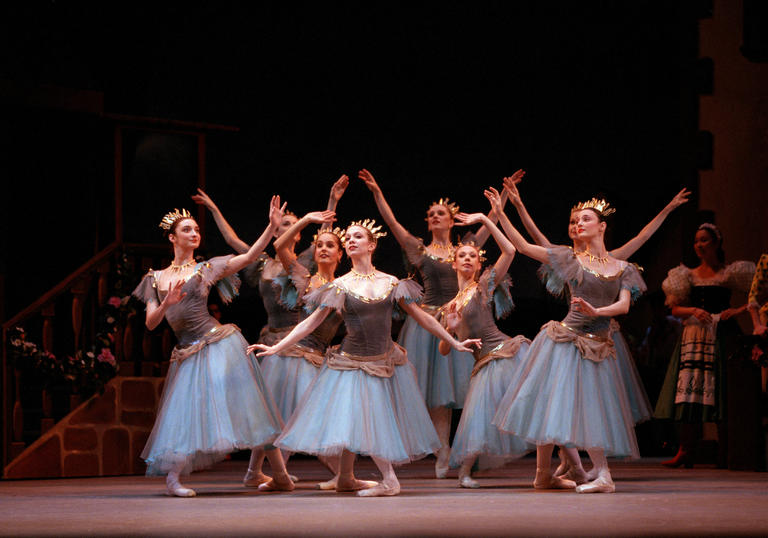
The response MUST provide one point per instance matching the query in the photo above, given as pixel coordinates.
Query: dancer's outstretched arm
(433, 326)
(402, 235)
(523, 247)
(283, 244)
(481, 236)
(301, 330)
(226, 230)
(631, 246)
(510, 187)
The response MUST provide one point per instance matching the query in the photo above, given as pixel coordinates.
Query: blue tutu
(476, 435)
(214, 402)
(443, 380)
(288, 378)
(365, 414)
(639, 405)
(568, 400)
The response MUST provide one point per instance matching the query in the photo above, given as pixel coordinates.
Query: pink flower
(114, 301)
(106, 356)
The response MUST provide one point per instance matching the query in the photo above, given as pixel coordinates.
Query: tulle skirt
(476, 435)
(365, 414)
(288, 378)
(565, 399)
(443, 380)
(213, 402)
(639, 404)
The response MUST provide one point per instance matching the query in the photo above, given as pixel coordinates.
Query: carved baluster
(17, 443)
(47, 312)
(103, 284)
(80, 292)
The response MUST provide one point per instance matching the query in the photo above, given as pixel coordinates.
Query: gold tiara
(338, 232)
(601, 206)
(480, 252)
(171, 217)
(370, 225)
(452, 207)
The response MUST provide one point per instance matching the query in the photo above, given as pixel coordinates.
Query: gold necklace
(440, 247)
(360, 276)
(602, 260)
(464, 296)
(177, 268)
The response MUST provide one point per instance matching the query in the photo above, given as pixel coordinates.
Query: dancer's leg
(174, 486)
(254, 477)
(465, 473)
(389, 484)
(603, 483)
(441, 418)
(345, 480)
(280, 480)
(544, 478)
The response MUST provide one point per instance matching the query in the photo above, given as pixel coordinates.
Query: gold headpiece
(452, 207)
(171, 217)
(370, 225)
(338, 232)
(480, 252)
(601, 206)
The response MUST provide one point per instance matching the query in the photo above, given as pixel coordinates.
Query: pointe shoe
(175, 489)
(592, 474)
(327, 485)
(253, 479)
(545, 480)
(683, 457)
(278, 483)
(576, 476)
(602, 484)
(293, 477)
(468, 482)
(442, 463)
(343, 486)
(380, 490)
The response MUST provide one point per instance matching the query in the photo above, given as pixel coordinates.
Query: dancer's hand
(452, 318)
(679, 199)
(261, 348)
(728, 313)
(337, 191)
(203, 199)
(468, 219)
(465, 344)
(702, 315)
(276, 211)
(369, 181)
(321, 217)
(494, 198)
(580, 305)
(175, 295)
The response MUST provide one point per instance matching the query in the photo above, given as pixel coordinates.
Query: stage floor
(649, 500)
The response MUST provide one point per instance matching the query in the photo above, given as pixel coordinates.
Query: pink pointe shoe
(174, 487)
(545, 480)
(601, 484)
(380, 490)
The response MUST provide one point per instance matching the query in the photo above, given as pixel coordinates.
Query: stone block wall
(104, 436)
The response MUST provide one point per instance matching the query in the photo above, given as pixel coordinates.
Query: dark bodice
(439, 278)
(477, 321)
(368, 325)
(321, 337)
(598, 291)
(713, 299)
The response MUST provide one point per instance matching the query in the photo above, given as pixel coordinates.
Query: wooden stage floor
(650, 500)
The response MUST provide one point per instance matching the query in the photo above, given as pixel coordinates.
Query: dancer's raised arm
(510, 188)
(402, 235)
(284, 244)
(337, 191)
(507, 248)
(226, 230)
(523, 247)
(481, 236)
(276, 212)
(631, 246)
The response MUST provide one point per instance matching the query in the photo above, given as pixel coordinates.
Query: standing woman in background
(214, 400)
(443, 381)
(694, 389)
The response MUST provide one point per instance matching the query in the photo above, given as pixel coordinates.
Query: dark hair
(720, 252)
(336, 237)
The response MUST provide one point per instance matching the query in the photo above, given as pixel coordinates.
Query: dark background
(436, 99)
